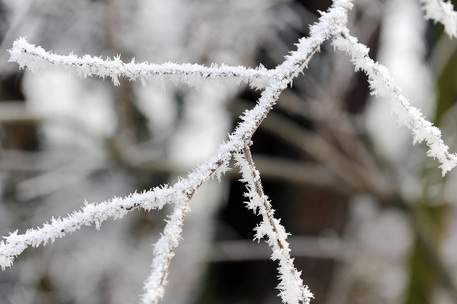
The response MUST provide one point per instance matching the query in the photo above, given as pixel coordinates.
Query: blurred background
(371, 218)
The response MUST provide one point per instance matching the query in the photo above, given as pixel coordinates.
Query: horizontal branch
(321, 247)
(35, 58)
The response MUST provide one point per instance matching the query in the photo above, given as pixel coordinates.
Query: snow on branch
(292, 289)
(154, 287)
(90, 214)
(331, 24)
(96, 213)
(443, 12)
(383, 85)
(156, 198)
(35, 58)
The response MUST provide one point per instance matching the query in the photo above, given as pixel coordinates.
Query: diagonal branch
(383, 85)
(15, 244)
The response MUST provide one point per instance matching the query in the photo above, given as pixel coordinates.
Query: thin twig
(292, 289)
(35, 58)
(383, 85)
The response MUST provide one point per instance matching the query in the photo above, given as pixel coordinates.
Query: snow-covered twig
(154, 287)
(292, 289)
(88, 215)
(35, 58)
(96, 213)
(278, 79)
(332, 24)
(382, 85)
(443, 12)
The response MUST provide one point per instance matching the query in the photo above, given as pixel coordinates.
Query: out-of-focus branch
(64, 176)
(301, 246)
(355, 176)
(298, 172)
(424, 229)
(13, 111)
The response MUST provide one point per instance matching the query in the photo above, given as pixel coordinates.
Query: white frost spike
(443, 12)
(224, 167)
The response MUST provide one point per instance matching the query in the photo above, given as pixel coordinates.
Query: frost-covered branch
(443, 12)
(278, 79)
(331, 25)
(383, 85)
(292, 289)
(154, 286)
(90, 214)
(35, 58)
